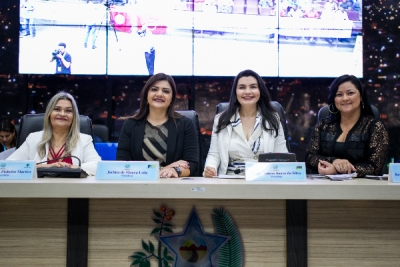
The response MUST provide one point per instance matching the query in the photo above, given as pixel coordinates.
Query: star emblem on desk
(193, 247)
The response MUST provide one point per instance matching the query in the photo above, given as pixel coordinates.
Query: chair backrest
(276, 105)
(34, 122)
(191, 114)
(101, 131)
(324, 112)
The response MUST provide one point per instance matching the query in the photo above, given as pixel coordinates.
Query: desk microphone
(60, 172)
(79, 161)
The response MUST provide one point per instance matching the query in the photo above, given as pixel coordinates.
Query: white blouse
(241, 150)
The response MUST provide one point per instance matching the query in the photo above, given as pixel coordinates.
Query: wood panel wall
(353, 233)
(33, 232)
(116, 227)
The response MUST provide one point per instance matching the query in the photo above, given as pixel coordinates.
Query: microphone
(237, 171)
(60, 172)
(79, 161)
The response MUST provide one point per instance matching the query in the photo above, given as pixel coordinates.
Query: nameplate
(128, 170)
(17, 170)
(275, 171)
(394, 173)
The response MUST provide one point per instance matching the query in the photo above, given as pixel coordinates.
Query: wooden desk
(349, 223)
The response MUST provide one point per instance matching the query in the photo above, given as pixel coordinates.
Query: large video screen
(276, 38)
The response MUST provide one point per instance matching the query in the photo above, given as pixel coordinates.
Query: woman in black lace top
(350, 139)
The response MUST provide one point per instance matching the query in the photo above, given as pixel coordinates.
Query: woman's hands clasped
(343, 166)
(338, 166)
(58, 164)
(170, 172)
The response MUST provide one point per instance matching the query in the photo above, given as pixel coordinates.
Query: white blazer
(84, 150)
(218, 156)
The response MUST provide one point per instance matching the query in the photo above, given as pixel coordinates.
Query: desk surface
(200, 188)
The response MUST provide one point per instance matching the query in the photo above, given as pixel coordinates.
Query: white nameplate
(128, 170)
(275, 171)
(394, 173)
(17, 170)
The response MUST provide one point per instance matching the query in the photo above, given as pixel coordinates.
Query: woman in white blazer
(60, 138)
(250, 126)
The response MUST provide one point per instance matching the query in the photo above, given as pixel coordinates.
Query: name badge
(275, 171)
(128, 170)
(17, 170)
(394, 173)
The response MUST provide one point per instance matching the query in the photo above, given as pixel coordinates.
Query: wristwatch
(178, 171)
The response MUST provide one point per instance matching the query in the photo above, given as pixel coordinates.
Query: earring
(362, 104)
(329, 108)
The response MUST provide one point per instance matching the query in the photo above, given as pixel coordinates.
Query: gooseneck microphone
(60, 172)
(61, 158)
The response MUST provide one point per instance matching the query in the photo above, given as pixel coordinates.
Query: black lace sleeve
(314, 151)
(377, 150)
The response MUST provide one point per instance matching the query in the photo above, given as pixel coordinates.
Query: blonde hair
(74, 130)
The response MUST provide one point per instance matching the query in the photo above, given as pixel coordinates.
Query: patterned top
(365, 147)
(242, 150)
(155, 143)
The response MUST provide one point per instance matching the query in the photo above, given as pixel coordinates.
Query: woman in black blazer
(158, 133)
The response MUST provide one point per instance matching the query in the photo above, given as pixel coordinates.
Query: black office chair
(34, 122)
(324, 112)
(191, 114)
(101, 131)
(276, 105)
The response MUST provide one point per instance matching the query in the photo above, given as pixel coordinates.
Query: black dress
(366, 145)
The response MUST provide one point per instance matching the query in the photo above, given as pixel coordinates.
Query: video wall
(276, 38)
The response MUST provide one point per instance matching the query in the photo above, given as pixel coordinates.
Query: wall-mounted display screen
(276, 38)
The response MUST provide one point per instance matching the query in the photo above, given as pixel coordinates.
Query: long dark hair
(7, 126)
(268, 113)
(365, 106)
(144, 104)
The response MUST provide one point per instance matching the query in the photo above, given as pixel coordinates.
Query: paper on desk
(231, 176)
(344, 176)
(316, 176)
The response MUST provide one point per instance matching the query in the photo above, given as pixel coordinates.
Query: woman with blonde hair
(60, 139)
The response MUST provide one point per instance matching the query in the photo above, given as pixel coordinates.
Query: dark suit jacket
(181, 143)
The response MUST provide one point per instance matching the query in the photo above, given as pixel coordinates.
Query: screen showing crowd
(285, 38)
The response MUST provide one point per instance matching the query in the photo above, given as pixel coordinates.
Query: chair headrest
(31, 123)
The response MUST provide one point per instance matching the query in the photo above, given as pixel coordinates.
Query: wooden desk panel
(117, 226)
(353, 233)
(358, 189)
(33, 232)
(350, 223)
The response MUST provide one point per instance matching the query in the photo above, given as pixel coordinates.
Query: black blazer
(181, 143)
